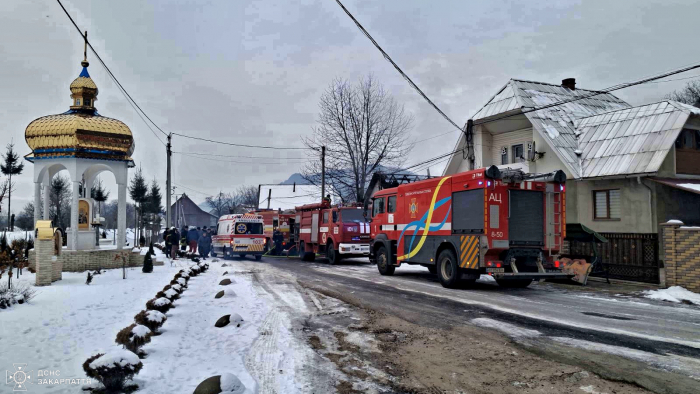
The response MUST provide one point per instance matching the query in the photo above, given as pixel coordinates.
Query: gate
(633, 257)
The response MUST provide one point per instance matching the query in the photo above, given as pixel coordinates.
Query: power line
(388, 58)
(241, 145)
(231, 161)
(114, 78)
(242, 157)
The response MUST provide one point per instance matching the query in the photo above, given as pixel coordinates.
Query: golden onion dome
(80, 132)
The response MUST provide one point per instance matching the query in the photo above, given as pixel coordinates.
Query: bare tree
(364, 130)
(219, 204)
(247, 196)
(690, 94)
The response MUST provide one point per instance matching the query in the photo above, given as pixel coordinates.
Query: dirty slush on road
(357, 349)
(402, 357)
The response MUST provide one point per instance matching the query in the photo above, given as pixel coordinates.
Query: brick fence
(79, 261)
(681, 251)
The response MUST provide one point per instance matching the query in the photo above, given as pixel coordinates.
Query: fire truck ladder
(554, 222)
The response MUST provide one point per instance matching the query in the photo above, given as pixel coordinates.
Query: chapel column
(37, 202)
(47, 199)
(121, 215)
(74, 214)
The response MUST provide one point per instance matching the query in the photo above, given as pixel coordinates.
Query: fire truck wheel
(383, 262)
(332, 255)
(242, 255)
(258, 257)
(304, 255)
(448, 269)
(514, 283)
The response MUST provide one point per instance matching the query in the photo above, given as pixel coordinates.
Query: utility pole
(469, 136)
(323, 172)
(168, 182)
(269, 197)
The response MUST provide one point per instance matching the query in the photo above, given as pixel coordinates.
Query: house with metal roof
(628, 168)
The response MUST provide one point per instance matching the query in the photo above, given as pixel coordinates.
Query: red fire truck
(509, 225)
(276, 220)
(241, 235)
(338, 232)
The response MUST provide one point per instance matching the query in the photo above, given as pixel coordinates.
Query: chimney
(569, 83)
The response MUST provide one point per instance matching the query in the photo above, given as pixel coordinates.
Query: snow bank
(509, 329)
(231, 384)
(674, 221)
(116, 357)
(673, 294)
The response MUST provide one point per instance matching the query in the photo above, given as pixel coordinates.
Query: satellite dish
(531, 152)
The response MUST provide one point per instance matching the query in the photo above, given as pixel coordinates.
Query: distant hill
(296, 178)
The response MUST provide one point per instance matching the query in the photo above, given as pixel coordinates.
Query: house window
(606, 204)
(688, 139)
(504, 155)
(517, 152)
(391, 204)
(77, 101)
(87, 102)
(378, 206)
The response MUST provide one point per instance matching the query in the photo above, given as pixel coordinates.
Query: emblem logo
(241, 228)
(413, 208)
(19, 378)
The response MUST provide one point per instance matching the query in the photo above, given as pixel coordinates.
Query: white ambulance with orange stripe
(335, 231)
(240, 234)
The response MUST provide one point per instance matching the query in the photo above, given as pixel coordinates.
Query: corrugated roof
(630, 141)
(554, 124)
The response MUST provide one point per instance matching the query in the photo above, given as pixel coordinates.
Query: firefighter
(327, 199)
(278, 239)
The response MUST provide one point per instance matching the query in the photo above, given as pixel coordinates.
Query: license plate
(500, 270)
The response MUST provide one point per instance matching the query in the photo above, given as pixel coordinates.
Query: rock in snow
(225, 384)
(233, 318)
(219, 294)
(225, 282)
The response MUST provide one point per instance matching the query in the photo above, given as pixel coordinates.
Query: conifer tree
(138, 191)
(12, 166)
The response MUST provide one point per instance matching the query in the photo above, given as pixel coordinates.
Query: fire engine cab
(506, 224)
(277, 224)
(337, 232)
(240, 235)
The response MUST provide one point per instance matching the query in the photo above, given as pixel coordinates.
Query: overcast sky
(252, 71)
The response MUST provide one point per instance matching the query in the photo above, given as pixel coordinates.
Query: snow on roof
(286, 197)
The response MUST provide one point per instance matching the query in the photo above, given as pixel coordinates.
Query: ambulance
(241, 235)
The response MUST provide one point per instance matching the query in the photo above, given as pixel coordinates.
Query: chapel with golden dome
(85, 144)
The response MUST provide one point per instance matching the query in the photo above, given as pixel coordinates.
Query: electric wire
(388, 58)
(114, 78)
(241, 145)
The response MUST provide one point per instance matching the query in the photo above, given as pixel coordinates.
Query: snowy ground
(69, 321)
(674, 294)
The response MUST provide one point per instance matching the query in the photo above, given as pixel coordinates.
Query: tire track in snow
(261, 360)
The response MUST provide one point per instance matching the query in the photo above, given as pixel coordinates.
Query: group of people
(197, 239)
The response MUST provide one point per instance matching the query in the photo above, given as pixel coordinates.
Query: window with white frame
(606, 204)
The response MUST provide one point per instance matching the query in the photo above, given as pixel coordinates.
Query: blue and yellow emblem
(413, 208)
(241, 228)
(425, 222)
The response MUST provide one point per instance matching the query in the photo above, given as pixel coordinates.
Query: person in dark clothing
(168, 245)
(192, 238)
(174, 240)
(183, 238)
(204, 244)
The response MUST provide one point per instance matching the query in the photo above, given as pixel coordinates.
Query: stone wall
(681, 251)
